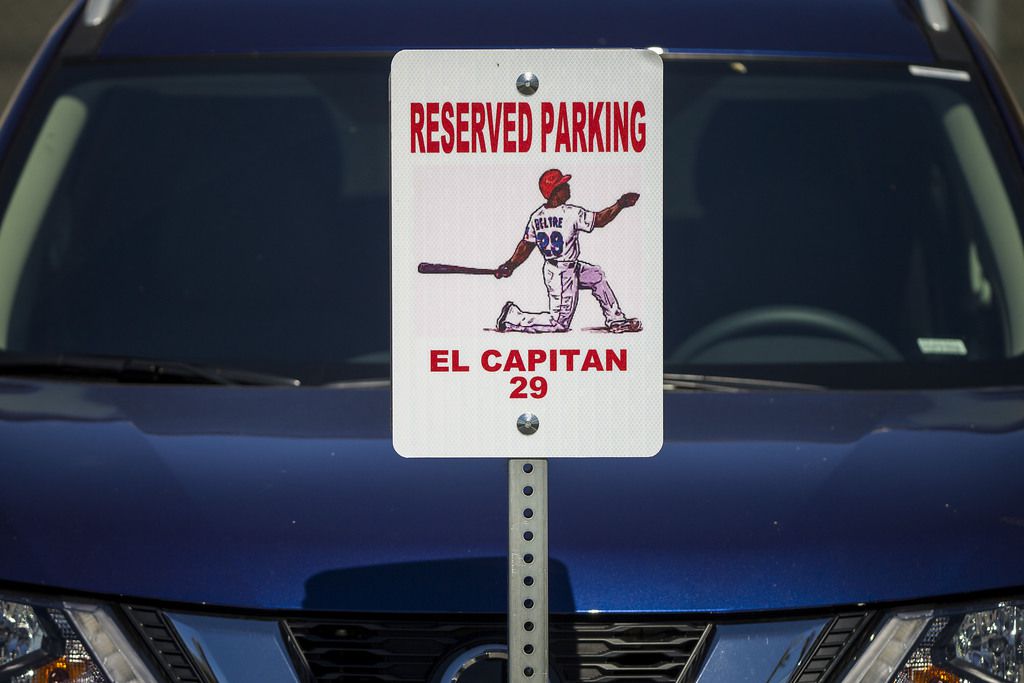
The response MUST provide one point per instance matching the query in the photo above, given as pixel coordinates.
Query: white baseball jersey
(556, 231)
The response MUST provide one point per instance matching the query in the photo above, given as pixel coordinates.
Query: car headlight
(977, 644)
(44, 641)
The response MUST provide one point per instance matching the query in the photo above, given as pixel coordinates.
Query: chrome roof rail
(97, 11)
(936, 14)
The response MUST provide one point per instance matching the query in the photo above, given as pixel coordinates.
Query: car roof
(847, 29)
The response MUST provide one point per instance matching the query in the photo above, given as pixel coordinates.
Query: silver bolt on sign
(528, 423)
(527, 83)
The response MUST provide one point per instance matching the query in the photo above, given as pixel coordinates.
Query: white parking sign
(526, 232)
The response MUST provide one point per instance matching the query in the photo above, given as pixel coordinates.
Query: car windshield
(841, 224)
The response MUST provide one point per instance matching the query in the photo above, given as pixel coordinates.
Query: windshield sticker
(942, 74)
(942, 347)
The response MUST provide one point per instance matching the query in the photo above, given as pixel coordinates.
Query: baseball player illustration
(555, 229)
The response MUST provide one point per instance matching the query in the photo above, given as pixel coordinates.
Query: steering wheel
(812, 322)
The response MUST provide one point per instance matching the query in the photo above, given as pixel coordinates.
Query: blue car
(197, 477)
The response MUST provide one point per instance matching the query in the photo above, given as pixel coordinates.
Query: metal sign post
(528, 571)
(526, 275)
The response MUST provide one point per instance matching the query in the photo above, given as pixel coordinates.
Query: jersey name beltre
(556, 231)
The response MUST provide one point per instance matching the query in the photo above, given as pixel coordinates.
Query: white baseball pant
(564, 282)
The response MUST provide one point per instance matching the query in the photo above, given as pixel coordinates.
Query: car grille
(834, 643)
(413, 650)
(158, 634)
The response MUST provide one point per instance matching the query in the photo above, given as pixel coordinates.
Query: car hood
(295, 499)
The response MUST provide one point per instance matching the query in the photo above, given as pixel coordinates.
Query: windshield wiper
(368, 383)
(151, 370)
(732, 384)
(673, 382)
(129, 369)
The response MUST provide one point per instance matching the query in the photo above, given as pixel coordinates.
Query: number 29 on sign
(532, 387)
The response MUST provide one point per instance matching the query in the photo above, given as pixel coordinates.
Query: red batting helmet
(549, 180)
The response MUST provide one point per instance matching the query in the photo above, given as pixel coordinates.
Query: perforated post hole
(528, 571)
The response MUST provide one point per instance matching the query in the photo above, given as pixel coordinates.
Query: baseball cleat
(501, 325)
(626, 325)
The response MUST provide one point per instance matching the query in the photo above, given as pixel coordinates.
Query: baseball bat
(446, 268)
